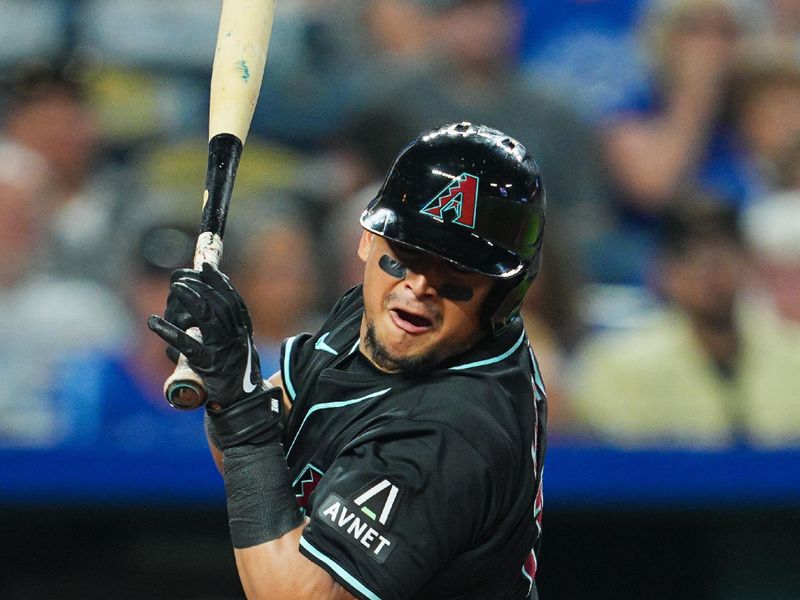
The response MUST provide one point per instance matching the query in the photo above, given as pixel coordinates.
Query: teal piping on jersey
(327, 405)
(525, 573)
(490, 361)
(302, 472)
(536, 372)
(351, 581)
(287, 379)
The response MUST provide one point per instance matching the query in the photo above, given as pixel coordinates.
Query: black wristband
(253, 420)
(211, 432)
(261, 502)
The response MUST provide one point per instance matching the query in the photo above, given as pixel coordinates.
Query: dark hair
(757, 72)
(698, 217)
(32, 82)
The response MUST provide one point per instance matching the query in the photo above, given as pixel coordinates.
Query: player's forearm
(276, 570)
(265, 525)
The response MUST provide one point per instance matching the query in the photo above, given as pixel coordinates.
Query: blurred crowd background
(667, 313)
(669, 304)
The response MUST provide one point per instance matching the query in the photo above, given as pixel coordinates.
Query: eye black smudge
(455, 292)
(451, 291)
(391, 267)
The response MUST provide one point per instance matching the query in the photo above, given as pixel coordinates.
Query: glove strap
(253, 420)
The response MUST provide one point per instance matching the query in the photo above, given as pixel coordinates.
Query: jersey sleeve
(397, 505)
(297, 352)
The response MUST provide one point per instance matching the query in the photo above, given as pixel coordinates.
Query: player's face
(418, 309)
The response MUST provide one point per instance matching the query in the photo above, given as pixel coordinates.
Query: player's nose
(424, 282)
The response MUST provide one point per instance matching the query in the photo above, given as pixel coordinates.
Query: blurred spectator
(470, 73)
(765, 106)
(316, 62)
(772, 227)
(554, 325)
(43, 317)
(30, 30)
(113, 397)
(176, 169)
(675, 134)
(48, 114)
(789, 167)
(399, 28)
(149, 79)
(339, 47)
(584, 51)
(785, 19)
(708, 370)
(272, 259)
(341, 231)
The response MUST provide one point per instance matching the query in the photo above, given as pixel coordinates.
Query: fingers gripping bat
(242, 41)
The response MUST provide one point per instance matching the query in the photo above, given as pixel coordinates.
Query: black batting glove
(176, 313)
(241, 406)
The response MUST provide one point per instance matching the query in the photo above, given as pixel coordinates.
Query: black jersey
(416, 486)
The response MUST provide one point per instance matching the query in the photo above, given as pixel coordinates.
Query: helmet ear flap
(504, 302)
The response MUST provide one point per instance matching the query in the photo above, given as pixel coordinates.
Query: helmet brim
(436, 237)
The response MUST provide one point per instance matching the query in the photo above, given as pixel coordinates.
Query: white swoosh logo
(247, 385)
(321, 345)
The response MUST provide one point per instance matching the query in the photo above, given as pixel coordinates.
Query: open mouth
(410, 322)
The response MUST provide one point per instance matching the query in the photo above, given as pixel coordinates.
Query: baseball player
(409, 464)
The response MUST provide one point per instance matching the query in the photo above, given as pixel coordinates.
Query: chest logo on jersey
(321, 344)
(305, 484)
(362, 520)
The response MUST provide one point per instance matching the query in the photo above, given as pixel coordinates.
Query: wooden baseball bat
(242, 42)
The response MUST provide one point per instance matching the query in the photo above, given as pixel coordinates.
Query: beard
(416, 365)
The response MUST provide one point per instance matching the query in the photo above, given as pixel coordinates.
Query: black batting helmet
(473, 196)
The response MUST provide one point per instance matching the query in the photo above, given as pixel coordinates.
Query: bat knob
(185, 395)
(184, 389)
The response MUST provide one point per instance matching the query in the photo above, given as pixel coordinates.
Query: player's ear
(364, 244)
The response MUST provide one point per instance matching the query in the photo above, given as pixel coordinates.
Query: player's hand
(176, 313)
(207, 300)
(241, 406)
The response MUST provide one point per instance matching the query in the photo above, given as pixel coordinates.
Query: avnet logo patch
(361, 527)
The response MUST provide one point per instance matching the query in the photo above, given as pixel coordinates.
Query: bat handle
(184, 389)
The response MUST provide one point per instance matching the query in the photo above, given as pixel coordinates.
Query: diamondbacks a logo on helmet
(460, 197)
